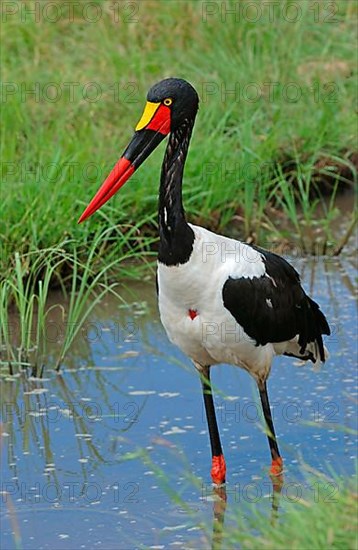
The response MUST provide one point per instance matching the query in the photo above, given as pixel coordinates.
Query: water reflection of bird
(220, 300)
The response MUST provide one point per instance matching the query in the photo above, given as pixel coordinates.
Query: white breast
(213, 336)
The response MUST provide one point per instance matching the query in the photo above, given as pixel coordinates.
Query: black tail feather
(317, 325)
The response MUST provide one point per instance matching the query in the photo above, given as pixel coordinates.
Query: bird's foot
(218, 470)
(276, 466)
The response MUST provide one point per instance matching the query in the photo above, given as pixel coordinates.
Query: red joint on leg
(276, 466)
(218, 469)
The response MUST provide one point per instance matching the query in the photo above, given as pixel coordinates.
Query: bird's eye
(168, 101)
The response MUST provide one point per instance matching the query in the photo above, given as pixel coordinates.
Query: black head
(184, 99)
(171, 103)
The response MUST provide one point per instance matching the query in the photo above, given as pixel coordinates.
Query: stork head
(170, 103)
(179, 96)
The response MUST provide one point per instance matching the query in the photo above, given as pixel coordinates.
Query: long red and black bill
(152, 128)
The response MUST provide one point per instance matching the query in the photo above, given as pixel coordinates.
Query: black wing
(274, 307)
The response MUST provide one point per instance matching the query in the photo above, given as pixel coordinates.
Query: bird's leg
(218, 468)
(277, 463)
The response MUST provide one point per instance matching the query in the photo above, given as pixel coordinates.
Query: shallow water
(114, 452)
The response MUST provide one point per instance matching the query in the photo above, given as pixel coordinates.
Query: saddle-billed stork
(220, 300)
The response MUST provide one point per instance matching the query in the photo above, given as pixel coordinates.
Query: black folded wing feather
(274, 307)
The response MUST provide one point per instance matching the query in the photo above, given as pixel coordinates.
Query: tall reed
(24, 295)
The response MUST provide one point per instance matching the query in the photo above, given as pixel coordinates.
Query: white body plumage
(193, 313)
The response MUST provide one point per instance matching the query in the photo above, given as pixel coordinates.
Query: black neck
(176, 237)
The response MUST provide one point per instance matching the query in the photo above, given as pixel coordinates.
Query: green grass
(329, 523)
(318, 513)
(24, 296)
(56, 152)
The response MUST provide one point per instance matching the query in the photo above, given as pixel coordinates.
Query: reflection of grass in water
(28, 420)
(30, 425)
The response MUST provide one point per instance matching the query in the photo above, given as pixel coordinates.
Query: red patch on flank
(218, 469)
(160, 121)
(276, 466)
(192, 314)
